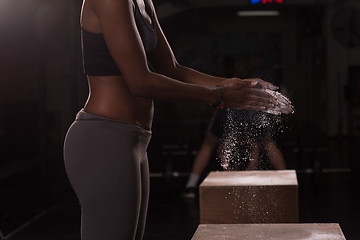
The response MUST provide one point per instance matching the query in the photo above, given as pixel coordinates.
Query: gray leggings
(107, 165)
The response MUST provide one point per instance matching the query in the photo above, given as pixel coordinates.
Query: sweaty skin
(129, 97)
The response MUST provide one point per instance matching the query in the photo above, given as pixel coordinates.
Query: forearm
(158, 86)
(189, 75)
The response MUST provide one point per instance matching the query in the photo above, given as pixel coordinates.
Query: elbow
(171, 69)
(178, 72)
(140, 85)
(178, 68)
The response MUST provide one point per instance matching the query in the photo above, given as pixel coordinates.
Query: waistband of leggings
(85, 116)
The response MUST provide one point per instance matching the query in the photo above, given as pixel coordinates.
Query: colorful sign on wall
(266, 1)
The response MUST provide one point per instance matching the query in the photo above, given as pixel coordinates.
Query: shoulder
(99, 13)
(110, 3)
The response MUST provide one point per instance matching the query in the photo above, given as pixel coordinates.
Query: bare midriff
(110, 97)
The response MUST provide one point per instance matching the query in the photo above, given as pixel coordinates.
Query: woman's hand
(259, 83)
(247, 94)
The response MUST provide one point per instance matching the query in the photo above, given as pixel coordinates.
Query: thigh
(106, 177)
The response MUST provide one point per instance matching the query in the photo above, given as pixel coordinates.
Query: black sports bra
(97, 60)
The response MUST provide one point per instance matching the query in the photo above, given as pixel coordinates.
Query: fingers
(283, 103)
(262, 84)
(263, 96)
(258, 102)
(255, 94)
(272, 109)
(279, 97)
(254, 108)
(279, 110)
(263, 100)
(280, 103)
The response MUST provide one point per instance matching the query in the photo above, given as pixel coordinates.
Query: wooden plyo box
(249, 197)
(287, 231)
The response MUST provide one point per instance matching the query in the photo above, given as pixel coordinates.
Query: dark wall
(42, 84)
(41, 88)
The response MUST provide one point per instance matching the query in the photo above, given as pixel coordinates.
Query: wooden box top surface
(250, 178)
(302, 231)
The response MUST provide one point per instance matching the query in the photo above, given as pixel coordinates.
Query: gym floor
(327, 195)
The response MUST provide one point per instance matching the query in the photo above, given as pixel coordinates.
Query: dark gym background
(311, 50)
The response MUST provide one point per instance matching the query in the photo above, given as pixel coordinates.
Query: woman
(105, 148)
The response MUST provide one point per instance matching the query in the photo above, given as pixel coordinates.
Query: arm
(164, 61)
(122, 38)
(118, 26)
